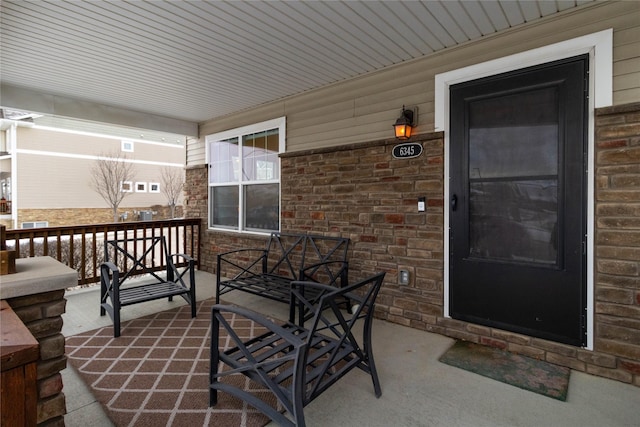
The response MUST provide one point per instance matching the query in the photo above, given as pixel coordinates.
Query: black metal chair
(297, 361)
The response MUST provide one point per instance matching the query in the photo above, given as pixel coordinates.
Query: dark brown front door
(517, 208)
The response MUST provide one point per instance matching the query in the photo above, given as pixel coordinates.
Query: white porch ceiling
(196, 60)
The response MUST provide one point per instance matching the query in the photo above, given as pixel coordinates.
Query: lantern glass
(403, 131)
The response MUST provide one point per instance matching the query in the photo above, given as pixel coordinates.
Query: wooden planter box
(19, 352)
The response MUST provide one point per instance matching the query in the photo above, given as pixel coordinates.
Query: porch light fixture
(404, 124)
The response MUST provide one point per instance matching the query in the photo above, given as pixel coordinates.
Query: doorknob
(454, 202)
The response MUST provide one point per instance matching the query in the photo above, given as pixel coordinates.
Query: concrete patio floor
(417, 390)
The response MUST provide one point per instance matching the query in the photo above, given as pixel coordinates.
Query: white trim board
(599, 46)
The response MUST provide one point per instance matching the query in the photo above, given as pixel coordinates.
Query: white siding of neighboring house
(54, 168)
(365, 108)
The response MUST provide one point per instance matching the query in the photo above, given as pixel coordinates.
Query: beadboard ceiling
(196, 60)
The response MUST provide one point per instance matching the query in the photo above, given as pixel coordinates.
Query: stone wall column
(36, 294)
(42, 315)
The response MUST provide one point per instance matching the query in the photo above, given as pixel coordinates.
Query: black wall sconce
(405, 124)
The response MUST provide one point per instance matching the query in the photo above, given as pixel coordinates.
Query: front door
(517, 209)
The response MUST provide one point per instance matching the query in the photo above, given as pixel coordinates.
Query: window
(244, 177)
(127, 146)
(126, 186)
(154, 187)
(141, 187)
(35, 224)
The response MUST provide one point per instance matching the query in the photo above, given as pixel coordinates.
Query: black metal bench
(117, 289)
(296, 361)
(287, 257)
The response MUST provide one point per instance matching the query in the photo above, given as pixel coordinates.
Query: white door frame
(599, 46)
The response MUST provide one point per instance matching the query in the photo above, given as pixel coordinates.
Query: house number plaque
(408, 150)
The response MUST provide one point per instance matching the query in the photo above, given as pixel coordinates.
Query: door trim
(599, 46)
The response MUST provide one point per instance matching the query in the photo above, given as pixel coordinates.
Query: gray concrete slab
(417, 390)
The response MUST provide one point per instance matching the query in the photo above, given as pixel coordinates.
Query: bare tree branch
(172, 186)
(108, 174)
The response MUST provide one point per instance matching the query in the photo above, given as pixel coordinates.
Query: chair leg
(370, 362)
(374, 376)
(214, 358)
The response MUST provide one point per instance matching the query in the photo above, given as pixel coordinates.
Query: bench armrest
(173, 275)
(109, 270)
(110, 266)
(186, 257)
(109, 281)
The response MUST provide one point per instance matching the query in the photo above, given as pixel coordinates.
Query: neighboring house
(529, 239)
(46, 174)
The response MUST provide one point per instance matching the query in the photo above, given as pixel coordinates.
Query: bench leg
(116, 315)
(213, 396)
(116, 325)
(192, 289)
(103, 296)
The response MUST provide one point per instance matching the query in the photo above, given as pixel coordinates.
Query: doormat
(520, 371)
(157, 372)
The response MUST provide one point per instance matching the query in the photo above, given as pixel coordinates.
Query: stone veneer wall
(360, 191)
(617, 210)
(42, 314)
(64, 217)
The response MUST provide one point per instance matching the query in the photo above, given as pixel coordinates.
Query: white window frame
(127, 146)
(599, 46)
(124, 184)
(141, 187)
(152, 189)
(34, 224)
(280, 124)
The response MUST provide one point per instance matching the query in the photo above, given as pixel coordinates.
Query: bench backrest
(285, 254)
(138, 256)
(289, 253)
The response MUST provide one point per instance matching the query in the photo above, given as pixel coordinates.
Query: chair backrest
(328, 320)
(139, 256)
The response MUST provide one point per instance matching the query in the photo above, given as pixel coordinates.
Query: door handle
(454, 202)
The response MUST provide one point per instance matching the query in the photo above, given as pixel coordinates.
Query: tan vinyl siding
(364, 108)
(47, 140)
(626, 64)
(47, 182)
(54, 169)
(195, 150)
